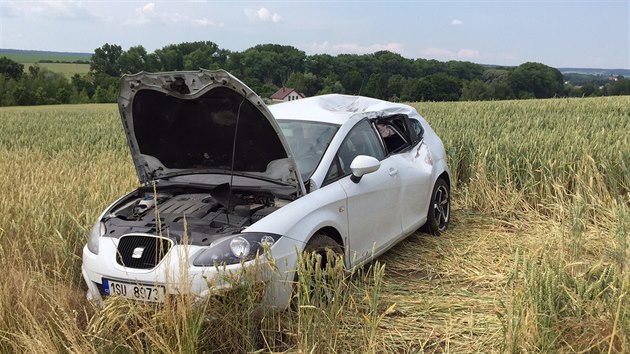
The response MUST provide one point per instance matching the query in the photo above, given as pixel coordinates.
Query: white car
(224, 176)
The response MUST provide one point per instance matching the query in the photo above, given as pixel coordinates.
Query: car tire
(439, 212)
(319, 244)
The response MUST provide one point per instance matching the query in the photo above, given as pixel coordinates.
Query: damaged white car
(224, 176)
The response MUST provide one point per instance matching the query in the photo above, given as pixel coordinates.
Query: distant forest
(268, 67)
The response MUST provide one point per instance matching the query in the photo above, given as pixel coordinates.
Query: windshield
(308, 141)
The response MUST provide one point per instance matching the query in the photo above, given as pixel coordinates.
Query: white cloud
(202, 22)
(468, 54)
(53, 9)
(446, 54)
(149, 8)
(263, 15)
(457, 22)
(437, 53)
(355, 48)
(143, 15)
(147, 14)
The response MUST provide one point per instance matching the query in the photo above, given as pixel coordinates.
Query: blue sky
(557, 33)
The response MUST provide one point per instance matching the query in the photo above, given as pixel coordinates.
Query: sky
(559, 33)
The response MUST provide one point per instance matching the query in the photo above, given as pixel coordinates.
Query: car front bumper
(177, 274)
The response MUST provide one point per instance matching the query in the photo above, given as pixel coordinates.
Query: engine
(196, 217)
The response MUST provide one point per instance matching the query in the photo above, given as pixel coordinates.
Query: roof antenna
(238, 116)
(361, 88)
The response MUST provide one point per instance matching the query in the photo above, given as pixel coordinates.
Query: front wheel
(440, 208)
(318, 269)
(320, 244)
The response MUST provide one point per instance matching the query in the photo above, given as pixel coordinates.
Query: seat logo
(137, 252)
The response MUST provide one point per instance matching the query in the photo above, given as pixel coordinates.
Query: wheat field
(535, 259)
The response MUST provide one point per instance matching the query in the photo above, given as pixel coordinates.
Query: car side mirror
(362, 165)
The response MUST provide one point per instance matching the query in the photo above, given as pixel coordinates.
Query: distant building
(613, 78)
(286, 94)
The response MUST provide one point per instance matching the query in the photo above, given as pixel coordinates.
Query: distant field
(36, 57)
(68, 68)
(535, 259)
(64, 68)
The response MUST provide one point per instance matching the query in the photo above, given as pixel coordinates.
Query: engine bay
(196, 216)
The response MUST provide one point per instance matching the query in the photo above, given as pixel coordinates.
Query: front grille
(142, 252)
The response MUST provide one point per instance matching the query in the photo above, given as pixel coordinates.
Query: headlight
(240, 247)
(232, 250)
(98, 230)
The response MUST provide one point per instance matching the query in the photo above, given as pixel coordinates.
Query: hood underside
(181, 123)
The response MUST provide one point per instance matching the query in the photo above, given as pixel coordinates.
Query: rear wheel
(439, 212)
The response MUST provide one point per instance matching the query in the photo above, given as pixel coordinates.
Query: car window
(395, 133)
(417, 130)
(308, 141)
(362, 140)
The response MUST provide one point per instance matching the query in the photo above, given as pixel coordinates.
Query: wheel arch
(446, 177)
(330, 232)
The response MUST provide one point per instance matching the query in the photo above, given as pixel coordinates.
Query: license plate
(132, 291)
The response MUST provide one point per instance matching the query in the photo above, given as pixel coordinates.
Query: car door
(402, 138)
(416, 167)
(373, 207)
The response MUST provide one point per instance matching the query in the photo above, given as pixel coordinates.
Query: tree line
(268, 67)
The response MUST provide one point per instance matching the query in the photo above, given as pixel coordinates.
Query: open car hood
(181, 123)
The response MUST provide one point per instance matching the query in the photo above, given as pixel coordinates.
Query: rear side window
(417, 131)
(395, 133)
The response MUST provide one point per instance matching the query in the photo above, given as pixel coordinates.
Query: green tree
(620, 87)
(331, 85)
(493, 75)
(439, 87)
(390, 63)
(352, 81)
(321, 65)
(169, 58)
(395, 85)
(501, 90)
(83, 83)
(376, 86)
(207, 55)
(464, 70)
(134, 60)
(476, 90)
(23, 96)
(307, 83)
(537, 80)
(423, 67)
(105, 60)
(271, 63)
(11, 69)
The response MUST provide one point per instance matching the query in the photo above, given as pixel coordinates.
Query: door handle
(393, 172)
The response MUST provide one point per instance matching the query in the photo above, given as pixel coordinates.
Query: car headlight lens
(240, 247)
(235, 249)
(98, 230)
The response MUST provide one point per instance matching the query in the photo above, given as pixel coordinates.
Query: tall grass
(540, 154)
(564, 160)
(535, 260)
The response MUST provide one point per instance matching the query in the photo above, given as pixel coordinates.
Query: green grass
(535, 259)
(67, 69)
